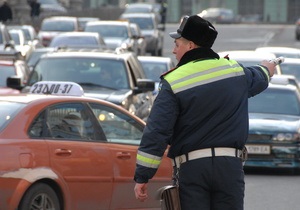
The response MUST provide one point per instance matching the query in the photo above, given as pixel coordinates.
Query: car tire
(38, 196)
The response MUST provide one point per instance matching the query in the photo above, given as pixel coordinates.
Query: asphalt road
(242, 37)
(265, 189)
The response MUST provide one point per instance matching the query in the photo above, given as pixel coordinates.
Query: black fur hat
(197, 30)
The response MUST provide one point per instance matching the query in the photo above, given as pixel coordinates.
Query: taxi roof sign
(57, 88)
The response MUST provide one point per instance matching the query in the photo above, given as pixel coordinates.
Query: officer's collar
(196, 54)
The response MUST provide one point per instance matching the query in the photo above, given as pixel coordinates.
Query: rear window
(8, 110)
(143, 23)
(73, 41)
(58, 26)
(108, 31)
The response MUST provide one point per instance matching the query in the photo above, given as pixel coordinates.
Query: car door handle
(63, 152)
(123, 155)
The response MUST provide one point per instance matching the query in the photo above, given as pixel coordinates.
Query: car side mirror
(14, 82)
(144, 85)
(9, 45)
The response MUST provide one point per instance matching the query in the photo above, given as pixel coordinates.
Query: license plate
(56, 88)
(258, 149)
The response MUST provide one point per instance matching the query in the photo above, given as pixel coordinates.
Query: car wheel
(40, 196)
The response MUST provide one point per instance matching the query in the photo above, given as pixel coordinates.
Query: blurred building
(271, 11)
(267, 11)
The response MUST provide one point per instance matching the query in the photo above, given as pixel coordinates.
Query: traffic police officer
(201, 111)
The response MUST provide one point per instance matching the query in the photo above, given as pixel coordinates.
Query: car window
(292, 69)
(108, 30)
(154, 70)
(138, 10)
(6, 71)
(16, 38)
(73, 41)
(82, 71)
(143, 23)
(276, 102)
(34, 57)
(58, 26)
(118, 127)
(65, 121)
(7, 112)
(27, 34)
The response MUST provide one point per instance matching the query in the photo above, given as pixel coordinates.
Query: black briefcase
(169, 197)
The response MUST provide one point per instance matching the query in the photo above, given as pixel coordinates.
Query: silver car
(151, 30)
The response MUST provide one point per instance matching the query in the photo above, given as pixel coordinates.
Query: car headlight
(125, 103)
(286, 137)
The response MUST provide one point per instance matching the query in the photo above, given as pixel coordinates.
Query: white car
(285, 79)
(137, 34)
(286, 52)
(20, 42)
(116, 34)
(249, 57)
(291, 66)
(52, 26)
(151, 30)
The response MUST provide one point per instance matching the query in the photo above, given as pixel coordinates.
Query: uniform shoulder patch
(167, 72)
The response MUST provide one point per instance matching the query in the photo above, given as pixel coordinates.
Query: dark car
(274, 128)
(113, 76)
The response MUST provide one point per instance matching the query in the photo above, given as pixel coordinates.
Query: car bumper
(12, 190)
(276, 163)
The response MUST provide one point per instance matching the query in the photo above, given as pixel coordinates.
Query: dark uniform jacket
(202, 103)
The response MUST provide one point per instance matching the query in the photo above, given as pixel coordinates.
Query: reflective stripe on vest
(148, 160)
(202, 72)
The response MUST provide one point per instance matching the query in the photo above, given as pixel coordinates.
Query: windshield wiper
(95, 85)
